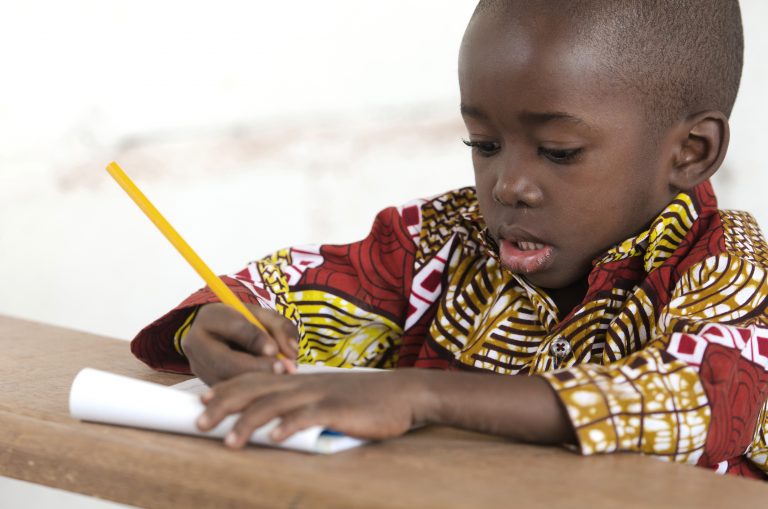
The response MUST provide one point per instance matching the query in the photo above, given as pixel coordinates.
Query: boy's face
(565, 163)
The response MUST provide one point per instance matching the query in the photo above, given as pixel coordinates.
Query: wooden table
(435, 467)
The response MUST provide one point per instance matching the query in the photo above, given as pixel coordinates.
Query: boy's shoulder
(438, 214)
(450, 206)
(743, 238)
(432, 222)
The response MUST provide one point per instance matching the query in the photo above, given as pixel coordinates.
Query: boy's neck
(568, 297)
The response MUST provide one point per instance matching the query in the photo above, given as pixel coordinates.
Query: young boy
(590, 257)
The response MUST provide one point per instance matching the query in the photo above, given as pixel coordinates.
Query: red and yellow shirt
(667, 354)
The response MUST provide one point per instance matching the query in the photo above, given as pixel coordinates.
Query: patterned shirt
(666, 355)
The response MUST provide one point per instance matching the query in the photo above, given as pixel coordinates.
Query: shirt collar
(545, 307)
(662, 238)
(653, 246)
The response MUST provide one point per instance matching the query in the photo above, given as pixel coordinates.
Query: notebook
(100, 396)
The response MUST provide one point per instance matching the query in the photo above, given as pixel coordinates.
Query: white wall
(253, 125)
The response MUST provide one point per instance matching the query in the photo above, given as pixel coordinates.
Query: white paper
(100, 396)
(197, 386)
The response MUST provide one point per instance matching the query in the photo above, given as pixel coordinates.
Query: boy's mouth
(524, 256)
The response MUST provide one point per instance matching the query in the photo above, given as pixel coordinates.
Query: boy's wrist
(424, 387)
(524, 407)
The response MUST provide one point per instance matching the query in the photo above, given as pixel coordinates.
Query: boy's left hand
(364, 405)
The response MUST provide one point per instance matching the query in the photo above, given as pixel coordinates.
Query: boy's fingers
(247, 336)
(218, 325)
(227, 324)
(297, 420)
(219, 406)
(291, 335)
(280, 328)
(233, 363)
(234, 395)
(220, 362)
(259, 412)
(279, 335)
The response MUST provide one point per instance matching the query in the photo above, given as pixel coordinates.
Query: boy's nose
(517, 191)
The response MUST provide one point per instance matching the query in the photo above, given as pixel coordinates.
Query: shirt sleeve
(697, 392)
(349, 301)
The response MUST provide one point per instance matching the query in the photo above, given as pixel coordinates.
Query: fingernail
(208, 396)
(275, 435)
(278, 367)
(231, 439)
(269, 349)
(203, 421)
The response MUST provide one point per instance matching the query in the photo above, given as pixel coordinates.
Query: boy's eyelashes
(560, 155)
(484, 148)
(556, 155)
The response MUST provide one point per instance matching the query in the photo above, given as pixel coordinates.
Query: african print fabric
(669, 348)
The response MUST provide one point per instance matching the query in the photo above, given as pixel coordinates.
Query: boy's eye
(560, 155)
(484, 148)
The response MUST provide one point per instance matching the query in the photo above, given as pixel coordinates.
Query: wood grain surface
(433, 467)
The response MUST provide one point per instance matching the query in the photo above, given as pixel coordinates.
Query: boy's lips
(524, 254)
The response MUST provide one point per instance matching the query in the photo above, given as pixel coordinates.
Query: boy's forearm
(521, 407)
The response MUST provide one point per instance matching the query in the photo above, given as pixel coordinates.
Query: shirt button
(560, 348)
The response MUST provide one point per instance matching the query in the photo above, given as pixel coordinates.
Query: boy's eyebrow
(528, 117)
(472, 111)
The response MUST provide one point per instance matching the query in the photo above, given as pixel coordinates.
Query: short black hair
(681, 56)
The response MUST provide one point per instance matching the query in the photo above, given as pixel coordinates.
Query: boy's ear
(700, 148)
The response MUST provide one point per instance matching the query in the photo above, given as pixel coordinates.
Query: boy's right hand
(222, 344)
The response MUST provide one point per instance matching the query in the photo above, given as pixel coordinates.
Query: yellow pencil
(218, 286)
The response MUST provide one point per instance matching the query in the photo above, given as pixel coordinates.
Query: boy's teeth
(529, 246)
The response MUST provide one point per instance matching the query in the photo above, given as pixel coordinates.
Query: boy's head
(587, 117)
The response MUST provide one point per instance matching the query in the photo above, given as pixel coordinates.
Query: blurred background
(252, 125)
